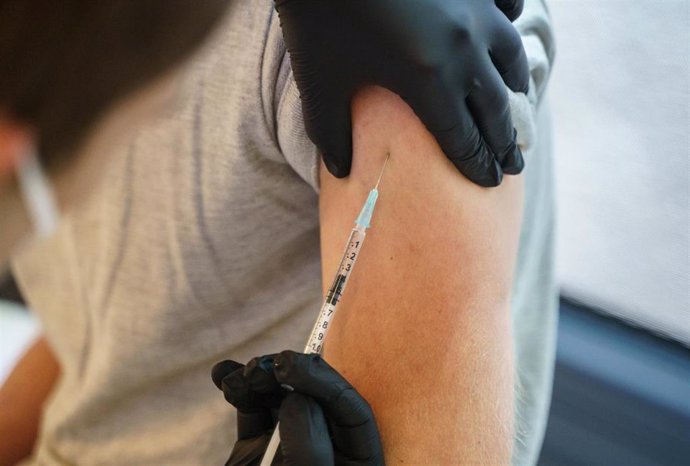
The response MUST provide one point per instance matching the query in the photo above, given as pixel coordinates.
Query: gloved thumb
(222, 370)
(330, 128)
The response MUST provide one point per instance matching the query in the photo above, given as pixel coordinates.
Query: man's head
(64, 65)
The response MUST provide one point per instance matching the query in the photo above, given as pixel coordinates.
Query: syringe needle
(382, 169)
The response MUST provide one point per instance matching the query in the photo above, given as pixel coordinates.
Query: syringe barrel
(322, 325)
(334, 293)
(347, 263)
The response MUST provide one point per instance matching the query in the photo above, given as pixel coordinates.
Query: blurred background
(620, 96)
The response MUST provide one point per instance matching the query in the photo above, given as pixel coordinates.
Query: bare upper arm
(423, 329)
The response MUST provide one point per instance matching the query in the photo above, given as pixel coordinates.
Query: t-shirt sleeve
(299, 152)
(298, 149)
(534, 26)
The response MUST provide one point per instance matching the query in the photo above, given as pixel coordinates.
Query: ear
(15, 139)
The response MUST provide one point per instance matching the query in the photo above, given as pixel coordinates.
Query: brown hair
(63, 63)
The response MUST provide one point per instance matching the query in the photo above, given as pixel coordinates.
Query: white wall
(621, 103)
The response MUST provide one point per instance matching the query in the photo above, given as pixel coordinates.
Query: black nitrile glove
(449, 60)
(323, 420)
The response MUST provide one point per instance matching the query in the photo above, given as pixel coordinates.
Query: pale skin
(435, 273)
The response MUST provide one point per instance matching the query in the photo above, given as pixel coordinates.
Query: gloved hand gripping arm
(450, 60)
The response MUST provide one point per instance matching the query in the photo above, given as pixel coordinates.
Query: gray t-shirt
(203, 244)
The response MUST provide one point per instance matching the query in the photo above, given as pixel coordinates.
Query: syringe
(347, 264)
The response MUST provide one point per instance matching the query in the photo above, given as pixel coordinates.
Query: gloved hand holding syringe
(347, 263)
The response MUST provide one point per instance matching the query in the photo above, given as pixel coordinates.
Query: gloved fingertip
(335, 169)
(221, 370)
(236, 390)
(497, 173)
(338, 162)
(486, 175)
(514, 163)
(511, 8)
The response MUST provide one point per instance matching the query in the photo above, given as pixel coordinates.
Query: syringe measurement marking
(334, 293)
